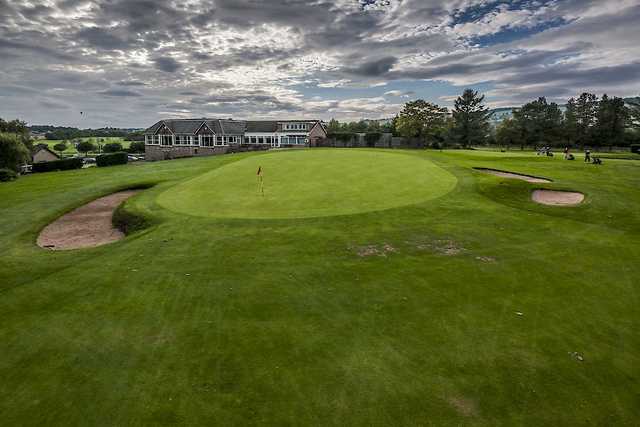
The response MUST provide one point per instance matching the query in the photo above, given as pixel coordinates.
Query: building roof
(40, 148)
(262, 126)
(221, 126)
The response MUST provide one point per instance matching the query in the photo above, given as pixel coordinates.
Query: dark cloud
(119, 92)
(375, 68)
(100, 38)
(131, 83)
(167, 64)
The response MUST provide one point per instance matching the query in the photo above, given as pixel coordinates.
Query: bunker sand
(513, 175)
(557, 198)
(87, 226)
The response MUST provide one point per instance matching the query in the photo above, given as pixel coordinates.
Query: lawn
(435, 294)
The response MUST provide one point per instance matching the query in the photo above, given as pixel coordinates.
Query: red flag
(259, 170)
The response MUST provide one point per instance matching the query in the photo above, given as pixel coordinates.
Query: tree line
(585, 121)
(63, 132)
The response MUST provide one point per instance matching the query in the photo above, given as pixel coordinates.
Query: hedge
(112, 159)
(7, 175)
(342, 136)
(58, 165)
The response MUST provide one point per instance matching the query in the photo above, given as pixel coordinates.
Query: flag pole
(260, 181)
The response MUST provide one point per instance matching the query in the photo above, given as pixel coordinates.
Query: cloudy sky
(128, 63)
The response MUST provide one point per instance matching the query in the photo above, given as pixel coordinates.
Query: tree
(112, 147)
(508, 133)
(612, 118)
(333, 126)
(421, 119)
(586, 108)
(85, 147)
(13, 151)
(136, 147)
(60, 147)
(470, 119)
(571, 122)
(539, 122)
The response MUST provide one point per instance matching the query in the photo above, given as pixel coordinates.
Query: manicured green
(305, 184)
(472, 308)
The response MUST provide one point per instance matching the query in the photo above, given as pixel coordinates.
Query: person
(587, 156)
(566, 153)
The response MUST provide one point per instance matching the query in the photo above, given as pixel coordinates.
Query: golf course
(331, 287)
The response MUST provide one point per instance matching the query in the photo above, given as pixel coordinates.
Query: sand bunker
(505, 174)
(88, 226)
(557, 198)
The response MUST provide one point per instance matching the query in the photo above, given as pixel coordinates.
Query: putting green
(310, 183)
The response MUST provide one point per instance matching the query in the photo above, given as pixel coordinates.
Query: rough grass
(476, 308)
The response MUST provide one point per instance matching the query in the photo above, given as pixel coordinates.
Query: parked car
(25, 169)
(89, 160)
(133, 158)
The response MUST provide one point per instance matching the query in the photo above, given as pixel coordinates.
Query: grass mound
(304, 184)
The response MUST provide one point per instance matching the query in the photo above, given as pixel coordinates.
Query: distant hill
(62, 132)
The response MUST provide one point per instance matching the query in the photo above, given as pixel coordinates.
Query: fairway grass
(305, 184)
(475, 307)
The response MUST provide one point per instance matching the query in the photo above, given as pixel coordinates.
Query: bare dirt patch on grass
(464, 406)
(375, 250)
(557, 198)
(440, 246)
(513, 175)
(87, 226)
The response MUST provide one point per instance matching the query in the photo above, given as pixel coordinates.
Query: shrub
(136, 147)
(112, 147)
(58, 165)
(7, 175)
(13, 151)
(635, 148)
(60, 147)
(112, 159)
(85, 147)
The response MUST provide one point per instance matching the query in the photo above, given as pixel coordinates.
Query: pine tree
(470, 119)
(586, 110)
(571, 122)
(612, 118)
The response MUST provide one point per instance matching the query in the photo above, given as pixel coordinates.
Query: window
(183, 140)
(253, 140)
(166, 139)
(207, 140)
(268, 140)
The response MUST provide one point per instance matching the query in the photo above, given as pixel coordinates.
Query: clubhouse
(175, 138)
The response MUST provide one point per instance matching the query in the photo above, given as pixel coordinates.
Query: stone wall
(159, 152)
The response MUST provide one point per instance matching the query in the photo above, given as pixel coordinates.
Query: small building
(176, 138)
(44, 154)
